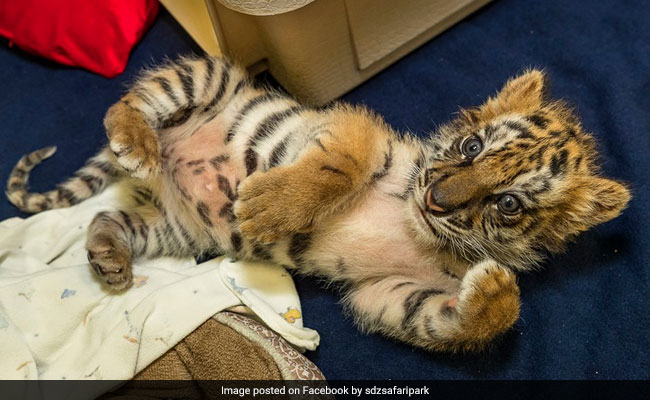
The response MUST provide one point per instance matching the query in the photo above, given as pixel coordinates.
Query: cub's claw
(111, 261)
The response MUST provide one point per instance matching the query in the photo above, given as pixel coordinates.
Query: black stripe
(178, 118)
(27, 160)
(44, 204)
(450, 228)
(170, 233)
(428, 323)
(270, 123)
(223, 84)
(18, 173)
(123, 152)
(204, 212)
(166, 86)
(104, 166)
(240, 86)
(145, 193)
(278, 152)
(186, 76)
(250, 160)
(236, 241)
(227, 212)
(139, 92)
(94, 183)
(299, 244)
(13, 186)
(129, 224)
(463, 224)
(576, 163)
(209, 73)
(414, 303)
(489, 131)
(105, 216)
(224, 186)
(144, 231)
(67, 194)
(402, 284)
(388, 163)
(261, 252)
(539, 120)
(169, 244)
(246, 109)
(559, 162)
(218, 160)
(332, 169)
(186, 235)
(160, 245)
(320, 144)
(523, 132)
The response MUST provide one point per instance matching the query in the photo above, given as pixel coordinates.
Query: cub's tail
(100, 171)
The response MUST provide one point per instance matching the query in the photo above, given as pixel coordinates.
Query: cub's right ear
(524, 93)
(526, 90)
(602, 200)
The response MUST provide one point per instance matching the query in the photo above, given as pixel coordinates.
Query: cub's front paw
(488, 304)
(269, 207)
(133, 142)
(111, 260)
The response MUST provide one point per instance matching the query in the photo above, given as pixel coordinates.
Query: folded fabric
(95, 35)
(58, 321)
(230, 346)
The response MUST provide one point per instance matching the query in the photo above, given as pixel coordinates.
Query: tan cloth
(228, 347)
(213, 351)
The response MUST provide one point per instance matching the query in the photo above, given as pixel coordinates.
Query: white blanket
(58, 321)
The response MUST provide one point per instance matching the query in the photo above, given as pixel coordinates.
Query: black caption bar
(267, 390)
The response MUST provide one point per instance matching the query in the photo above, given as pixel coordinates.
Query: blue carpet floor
(585, 315)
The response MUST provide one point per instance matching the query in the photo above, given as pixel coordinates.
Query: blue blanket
(585, 315)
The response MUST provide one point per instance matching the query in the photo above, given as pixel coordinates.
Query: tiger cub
(423, 236)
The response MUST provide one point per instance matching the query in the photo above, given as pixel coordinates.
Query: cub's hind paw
(111, 261)
(132, 140)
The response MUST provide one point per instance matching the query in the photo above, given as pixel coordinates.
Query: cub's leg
(328, 176)
(116, 238)
(427, 316)
(164, 97)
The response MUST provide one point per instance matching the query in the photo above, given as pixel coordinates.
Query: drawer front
(379, 27)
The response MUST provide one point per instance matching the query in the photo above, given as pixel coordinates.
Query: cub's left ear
(524, 92)
(603, 199)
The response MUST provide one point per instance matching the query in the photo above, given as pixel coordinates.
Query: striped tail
(100, 171)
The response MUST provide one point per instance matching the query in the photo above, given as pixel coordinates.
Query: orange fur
(294, 198)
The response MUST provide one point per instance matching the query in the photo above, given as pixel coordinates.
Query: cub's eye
(508, 204)
(471, 147)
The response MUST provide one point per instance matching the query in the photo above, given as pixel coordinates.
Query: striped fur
(409, 229)
(99, 172)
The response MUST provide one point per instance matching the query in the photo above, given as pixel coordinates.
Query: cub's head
(512, 178)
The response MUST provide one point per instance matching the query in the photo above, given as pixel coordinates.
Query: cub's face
(512, 178)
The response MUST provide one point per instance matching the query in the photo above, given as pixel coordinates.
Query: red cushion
(94, 34)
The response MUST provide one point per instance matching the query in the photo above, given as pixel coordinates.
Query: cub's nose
(430, 200)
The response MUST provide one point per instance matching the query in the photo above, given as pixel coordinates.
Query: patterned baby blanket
(57, 321)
